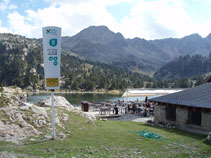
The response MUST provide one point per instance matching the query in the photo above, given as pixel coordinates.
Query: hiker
(146, 99)
(134, 108)
(116, 110)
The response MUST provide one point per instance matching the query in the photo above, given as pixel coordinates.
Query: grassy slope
(114, 139)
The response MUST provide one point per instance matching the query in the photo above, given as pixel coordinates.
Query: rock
(12, 96)
(61, 135)
(24, 121)
(90, 117)
(14, 133)
(48, 137)
(5, 154)
(38, 117)
(208, 139)
(57, 120)
(65, 117)
(12, 90)
(25, 105)
(20, 120)
(59, 102)
(63, 103)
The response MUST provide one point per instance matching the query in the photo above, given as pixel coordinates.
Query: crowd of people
(144, 107)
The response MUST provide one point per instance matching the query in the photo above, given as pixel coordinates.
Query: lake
(76, 98)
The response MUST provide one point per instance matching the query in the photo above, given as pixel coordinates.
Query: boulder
(12, 90)
(89, 116)
(63, 103)
(20, 120)
(14, 133)
(12, 96)
(59, 101)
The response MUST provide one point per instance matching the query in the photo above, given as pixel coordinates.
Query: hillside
(185, 66)
(22, 65)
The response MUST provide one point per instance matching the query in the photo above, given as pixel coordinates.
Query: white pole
(53, 120)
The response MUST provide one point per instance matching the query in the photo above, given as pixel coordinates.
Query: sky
(148, 19)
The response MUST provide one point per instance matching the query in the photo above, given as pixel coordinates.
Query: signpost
(52, 58)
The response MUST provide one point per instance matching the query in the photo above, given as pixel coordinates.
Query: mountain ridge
(98, 43)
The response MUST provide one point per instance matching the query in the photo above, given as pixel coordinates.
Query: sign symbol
(50, 58)
(53, 42)
(54, 59)
(55, 63)
(48, 31)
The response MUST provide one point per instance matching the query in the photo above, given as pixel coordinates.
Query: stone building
(189, 109)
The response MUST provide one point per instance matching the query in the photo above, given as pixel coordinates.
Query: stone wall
(160, 113)
(181, 116)
(182, 119)
(206, 120)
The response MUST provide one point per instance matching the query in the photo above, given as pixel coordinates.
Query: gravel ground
(125, 117)
(133, 117)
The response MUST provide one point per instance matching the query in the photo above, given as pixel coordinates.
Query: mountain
(185, 66)
(98, 43)
(192, 44)
(99, 58)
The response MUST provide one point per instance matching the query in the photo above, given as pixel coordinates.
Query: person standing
(146, 99)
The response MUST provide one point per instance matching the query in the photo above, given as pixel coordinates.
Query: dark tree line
(185, 67)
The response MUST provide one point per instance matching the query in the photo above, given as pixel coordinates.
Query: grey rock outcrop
(20, 120)
(58, 102)
(61, 102)
(12, 96)
(90, 117)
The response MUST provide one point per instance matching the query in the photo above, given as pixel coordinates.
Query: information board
(52, 56)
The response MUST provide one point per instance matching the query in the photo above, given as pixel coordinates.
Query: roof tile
(199, 96)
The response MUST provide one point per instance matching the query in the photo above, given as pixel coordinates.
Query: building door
(194, 116)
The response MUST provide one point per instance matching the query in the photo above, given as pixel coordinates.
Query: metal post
(53, 119)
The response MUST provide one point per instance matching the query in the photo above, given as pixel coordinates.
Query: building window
(194, 116)
(171, 112)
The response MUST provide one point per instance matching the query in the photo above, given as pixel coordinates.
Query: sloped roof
(199, 96)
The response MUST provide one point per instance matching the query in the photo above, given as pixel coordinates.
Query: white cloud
(19, 25)
(157, 19)
(74, 2)
(4, 29)
(72, 19)
(5, 4)
(204, 28)
(147, 19)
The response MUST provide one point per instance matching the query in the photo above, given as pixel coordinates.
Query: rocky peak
(193, 37)
(208, 37)
(99, 34)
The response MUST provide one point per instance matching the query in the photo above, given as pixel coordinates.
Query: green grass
(114, 139)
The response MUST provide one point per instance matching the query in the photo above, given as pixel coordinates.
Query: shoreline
(74, 92)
